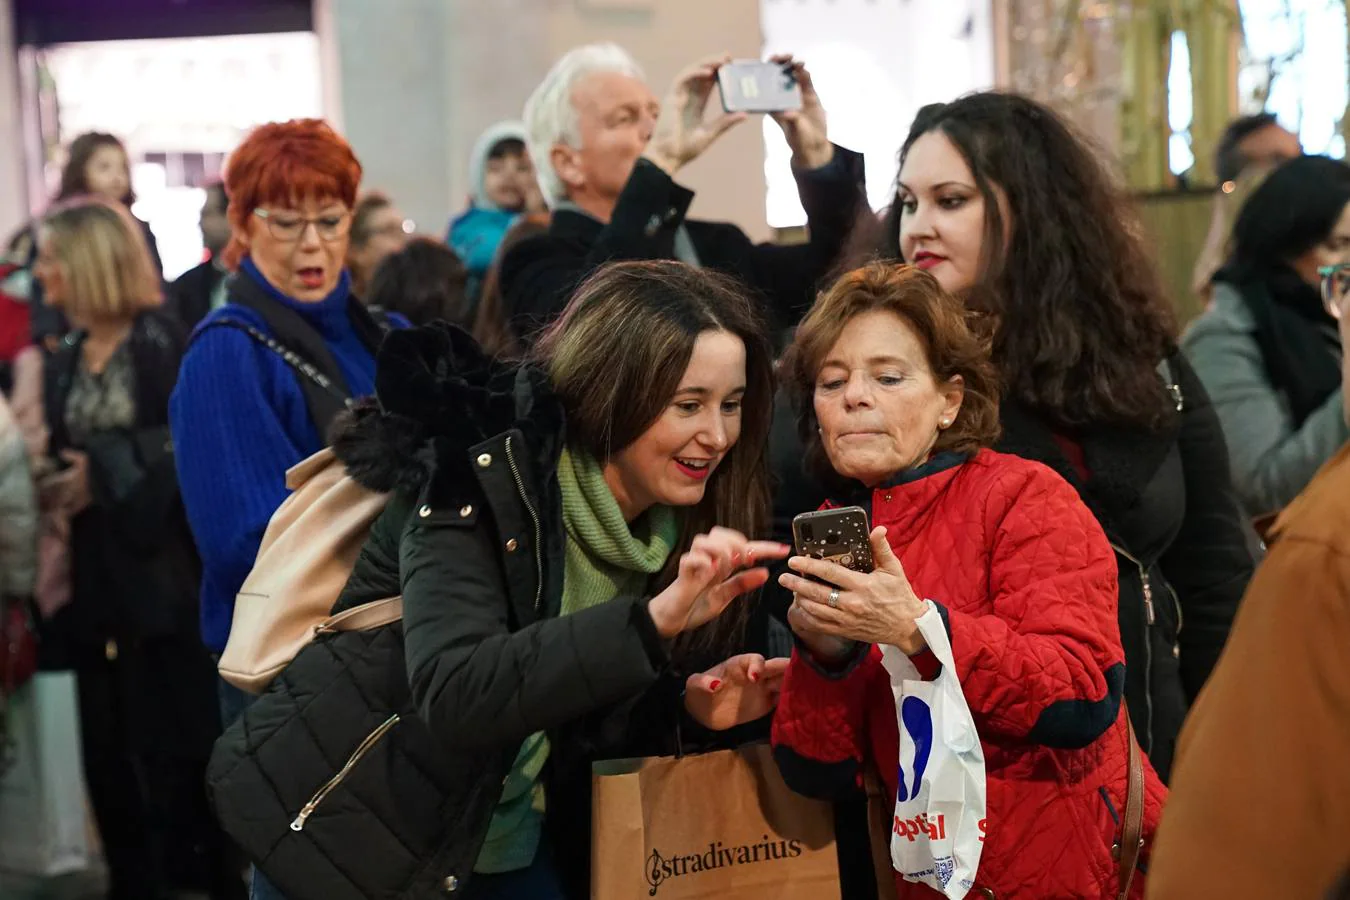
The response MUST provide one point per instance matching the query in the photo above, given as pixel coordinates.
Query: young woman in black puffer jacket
(570, 537)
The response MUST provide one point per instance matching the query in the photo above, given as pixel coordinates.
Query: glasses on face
(289, 227)
(1335, 288)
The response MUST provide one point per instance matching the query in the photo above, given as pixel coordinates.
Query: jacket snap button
(451, 884)
(484, 460)
(465, 512)
(424, 511)
(511, 545)
(887, 498)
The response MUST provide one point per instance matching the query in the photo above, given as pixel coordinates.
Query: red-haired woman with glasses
(242, 414)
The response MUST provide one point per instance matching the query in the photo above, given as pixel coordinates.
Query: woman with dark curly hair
(1007, 207)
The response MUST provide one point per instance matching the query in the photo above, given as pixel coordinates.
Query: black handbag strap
(305, 369)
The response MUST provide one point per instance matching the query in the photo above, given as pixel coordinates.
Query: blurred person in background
(97, 165)
(1258, 802)
(504, 186)
(1250, 143)
(490, 325)
(378, 229)
(1007, 207)
(607, 152)
(201, 289)
(242, 413)
(1268, 350)
(146, 684)
(18, 520)
(423, 282)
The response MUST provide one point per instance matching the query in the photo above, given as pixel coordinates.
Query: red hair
(286, 163)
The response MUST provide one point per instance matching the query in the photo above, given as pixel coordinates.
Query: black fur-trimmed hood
(437, 394)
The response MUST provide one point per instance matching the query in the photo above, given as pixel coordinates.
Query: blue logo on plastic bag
(918, 721)
(945, 867)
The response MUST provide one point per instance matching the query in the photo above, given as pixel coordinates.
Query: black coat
(473, 539)
(1167, 504)
(538, 275)
(135, 567)
(189, 297)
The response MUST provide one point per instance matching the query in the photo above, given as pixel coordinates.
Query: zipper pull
(1149, 614)
(299, 823)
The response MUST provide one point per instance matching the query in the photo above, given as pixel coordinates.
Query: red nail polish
(754, 676)
(715, 685)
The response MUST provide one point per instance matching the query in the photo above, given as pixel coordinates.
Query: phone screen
(758, 87)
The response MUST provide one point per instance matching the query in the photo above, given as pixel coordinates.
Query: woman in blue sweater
(266, 373)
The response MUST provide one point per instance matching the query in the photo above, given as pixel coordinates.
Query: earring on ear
(945, 423)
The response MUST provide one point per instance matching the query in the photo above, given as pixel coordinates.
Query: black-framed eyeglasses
(289, 227)
(1335, 288)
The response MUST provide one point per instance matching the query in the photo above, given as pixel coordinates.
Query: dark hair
(365, 209)
(1229, 160)
(491, 326)
(1293, 210)
(943, 325)
(74, 181)
(424, 281)
(507, 147)
(1075, 307)
(617, 355)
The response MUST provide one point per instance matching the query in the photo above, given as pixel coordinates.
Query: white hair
(551, 118)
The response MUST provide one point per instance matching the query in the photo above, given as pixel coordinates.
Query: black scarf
(1294, 332)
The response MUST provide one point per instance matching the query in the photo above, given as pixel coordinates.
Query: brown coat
(1260, 803)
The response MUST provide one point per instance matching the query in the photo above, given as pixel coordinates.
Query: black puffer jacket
(473, 537)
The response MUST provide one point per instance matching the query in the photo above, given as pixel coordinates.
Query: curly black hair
(1077, 312)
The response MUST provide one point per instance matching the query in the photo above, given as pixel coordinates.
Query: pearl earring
(946, 423)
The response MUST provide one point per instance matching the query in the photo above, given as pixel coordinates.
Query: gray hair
(550, 117)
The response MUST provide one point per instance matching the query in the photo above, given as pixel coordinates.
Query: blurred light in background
(181, 105)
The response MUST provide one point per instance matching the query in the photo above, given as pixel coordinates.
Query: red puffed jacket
(1026, 584)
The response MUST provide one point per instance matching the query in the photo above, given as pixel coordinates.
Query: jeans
(233, 702)
(537, 882)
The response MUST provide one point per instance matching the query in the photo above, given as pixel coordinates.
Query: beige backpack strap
(363, 617)
(1132, 827)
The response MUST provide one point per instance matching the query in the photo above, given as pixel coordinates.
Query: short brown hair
(951, 343)
(104, 259)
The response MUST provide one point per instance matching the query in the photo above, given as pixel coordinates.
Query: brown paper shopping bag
(720, 825)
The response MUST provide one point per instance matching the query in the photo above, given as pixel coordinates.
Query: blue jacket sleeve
(232, 448)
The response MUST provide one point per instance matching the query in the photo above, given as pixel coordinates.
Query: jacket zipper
(362, 749)
(534, 517)
(1149, 619)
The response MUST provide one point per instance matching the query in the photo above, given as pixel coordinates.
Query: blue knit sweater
(239, 421)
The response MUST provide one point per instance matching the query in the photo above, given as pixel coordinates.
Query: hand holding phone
(867, 599)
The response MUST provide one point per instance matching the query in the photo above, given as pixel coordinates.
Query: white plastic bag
(42, 808)
(937, 833)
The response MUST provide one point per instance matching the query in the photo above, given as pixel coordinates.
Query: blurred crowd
(591, 421)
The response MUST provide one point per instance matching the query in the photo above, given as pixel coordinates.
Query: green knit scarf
(605, 558)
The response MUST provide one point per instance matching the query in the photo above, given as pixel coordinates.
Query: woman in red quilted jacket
(898, 406)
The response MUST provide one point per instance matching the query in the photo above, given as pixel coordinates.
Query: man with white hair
(607, 152)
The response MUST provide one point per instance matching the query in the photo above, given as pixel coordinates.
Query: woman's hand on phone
(877, 607)
(736, 691)
(719, 567)
(683, 130)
